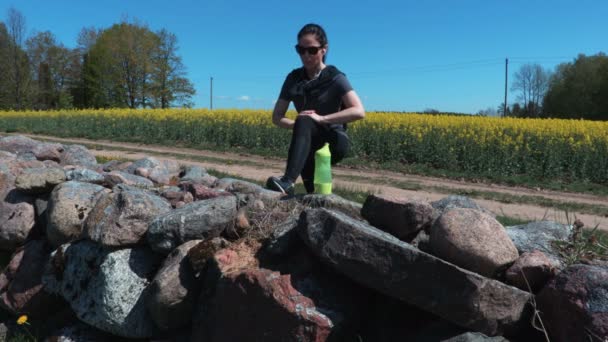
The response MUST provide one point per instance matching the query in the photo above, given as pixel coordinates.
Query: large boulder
(78, 155)
(198, 220)
(298, 303)
(401, 217)
(386, 264)
(68, 208)
(473, 240)
(17, 144)
(350, 208)
(574, 304)
(39, 180)
(457, 201)
(121, 218)
(48, 151)
(540, 236)
(174, 290)
(105, 287)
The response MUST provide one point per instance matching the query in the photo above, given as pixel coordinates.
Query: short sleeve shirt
(323, 94)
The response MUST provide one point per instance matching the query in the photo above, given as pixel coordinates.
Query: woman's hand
(313, 115)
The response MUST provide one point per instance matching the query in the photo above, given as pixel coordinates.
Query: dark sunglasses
(312, 50)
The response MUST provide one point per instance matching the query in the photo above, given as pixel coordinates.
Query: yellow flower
(22, 320)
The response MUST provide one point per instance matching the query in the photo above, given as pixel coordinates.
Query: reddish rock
(201, 192)
(473, 240)
(536, 267)
(48, 151)
(574, 304)
(247, 303)
(21, 282)
(400, 217)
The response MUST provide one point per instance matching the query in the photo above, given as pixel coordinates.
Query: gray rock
(84, 175)
(283, 237)
(457, 201)
(174, 290)
(69, 206)
(145, 163)
(400, 217)
(198, 220)
(473, 240)
(243, 187)
(193, 173)
(78, 155)
(39, 180)
(350, 208)
(475, 337)
(382, 262)
(540, 236)
(79, 332)
(121, 218)
(114, 178)
(105, 287)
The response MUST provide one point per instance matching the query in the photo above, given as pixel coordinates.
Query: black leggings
(309, 136)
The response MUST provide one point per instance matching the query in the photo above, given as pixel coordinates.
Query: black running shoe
(280, 185)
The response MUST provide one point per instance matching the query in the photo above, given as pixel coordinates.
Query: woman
(325, 102)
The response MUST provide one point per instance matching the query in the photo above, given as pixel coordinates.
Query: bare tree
(532, 83)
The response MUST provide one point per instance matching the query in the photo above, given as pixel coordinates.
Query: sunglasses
(312, 50)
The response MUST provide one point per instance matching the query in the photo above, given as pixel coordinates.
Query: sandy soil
(376, 181)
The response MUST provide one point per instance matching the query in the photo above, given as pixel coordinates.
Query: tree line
(574, 90)
(126, 66)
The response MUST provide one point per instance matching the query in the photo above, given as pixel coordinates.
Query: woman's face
(311, 61)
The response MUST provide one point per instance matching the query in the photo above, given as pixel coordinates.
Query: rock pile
(156, 251)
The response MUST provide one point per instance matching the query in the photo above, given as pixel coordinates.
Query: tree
(4, 68)
(531, 81)
(131, 66)
(18, 75)
(579, 89)
(170, 86)
(51, 64)
(490, 111)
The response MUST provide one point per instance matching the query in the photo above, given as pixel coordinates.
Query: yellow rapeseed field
(572, 150)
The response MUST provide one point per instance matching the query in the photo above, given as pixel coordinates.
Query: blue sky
(399, 55)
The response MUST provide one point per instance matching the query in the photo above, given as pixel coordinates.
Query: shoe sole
(281, 188)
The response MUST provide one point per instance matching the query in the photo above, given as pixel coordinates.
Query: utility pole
(504, 112)
(211, 94)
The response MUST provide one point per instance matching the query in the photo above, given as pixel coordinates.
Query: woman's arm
(353, 111)
(278, 114)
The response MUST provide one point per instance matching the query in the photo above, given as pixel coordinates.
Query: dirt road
(377, 181)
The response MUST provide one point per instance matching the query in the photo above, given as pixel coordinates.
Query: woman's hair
(318, 31)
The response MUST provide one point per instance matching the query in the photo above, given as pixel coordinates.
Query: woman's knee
(304, 122)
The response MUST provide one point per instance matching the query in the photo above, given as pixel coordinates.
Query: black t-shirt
(323, 94)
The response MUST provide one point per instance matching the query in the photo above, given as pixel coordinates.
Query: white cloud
(243, 98)
(222, 97)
